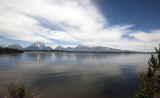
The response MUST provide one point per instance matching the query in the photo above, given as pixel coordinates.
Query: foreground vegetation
(150, 81)
(9, 50)
(18, 90)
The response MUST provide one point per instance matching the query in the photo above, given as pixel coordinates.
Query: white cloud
(77, 21)
(147, 36)
(65, 46)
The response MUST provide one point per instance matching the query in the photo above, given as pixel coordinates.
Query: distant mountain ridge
(35, 46)
(13, 46)
(38, 46)
(81, 48)
(4, 45)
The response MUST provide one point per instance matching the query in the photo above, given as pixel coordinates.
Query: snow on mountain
(38, 46)
(64, 49)
(15, 46)
(4, 46)
(81, 48)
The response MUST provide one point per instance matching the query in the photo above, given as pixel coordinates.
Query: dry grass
(18, 90)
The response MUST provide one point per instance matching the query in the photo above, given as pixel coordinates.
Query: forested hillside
(9, 50)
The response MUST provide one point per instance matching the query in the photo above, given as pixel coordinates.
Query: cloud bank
(72, 21)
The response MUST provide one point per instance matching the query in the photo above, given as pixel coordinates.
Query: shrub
(18, 90)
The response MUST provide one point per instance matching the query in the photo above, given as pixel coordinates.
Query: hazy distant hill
(81, 48)
(15, 46)
(4, 46)
(12, 46)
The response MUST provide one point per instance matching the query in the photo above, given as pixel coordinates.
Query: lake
(75, 75)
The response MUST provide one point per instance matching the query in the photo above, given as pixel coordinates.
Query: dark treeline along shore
(10, 50)
(85, 51)
(46, 51)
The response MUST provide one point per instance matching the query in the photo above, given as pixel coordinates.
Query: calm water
(75, 75)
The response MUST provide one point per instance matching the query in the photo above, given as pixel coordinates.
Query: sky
(122, 24)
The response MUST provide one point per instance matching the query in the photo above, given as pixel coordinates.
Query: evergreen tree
(10, 50)
(150, 81)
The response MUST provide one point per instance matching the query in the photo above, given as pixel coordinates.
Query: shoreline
(59, 51)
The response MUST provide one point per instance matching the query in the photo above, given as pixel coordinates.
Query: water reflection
(38, 57)
(73, 75)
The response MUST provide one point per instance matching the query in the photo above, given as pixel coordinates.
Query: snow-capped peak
(38, 44)
(15, 46)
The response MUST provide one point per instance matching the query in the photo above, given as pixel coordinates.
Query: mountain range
(38, 46)
(35, 46)
(81, 48)
(41, 46)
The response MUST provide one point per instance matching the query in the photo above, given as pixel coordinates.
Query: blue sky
(123, 24)
(143, 13)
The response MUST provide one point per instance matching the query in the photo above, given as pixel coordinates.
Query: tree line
(9, 50)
